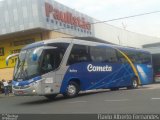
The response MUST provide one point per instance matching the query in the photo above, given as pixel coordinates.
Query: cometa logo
(92, 68)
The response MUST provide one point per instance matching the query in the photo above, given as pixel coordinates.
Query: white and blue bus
(67, 66)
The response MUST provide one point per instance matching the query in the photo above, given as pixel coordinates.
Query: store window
(1, 51)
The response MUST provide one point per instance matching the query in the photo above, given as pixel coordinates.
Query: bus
(67, 66)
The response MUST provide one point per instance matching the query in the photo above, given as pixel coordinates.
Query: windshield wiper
(18, 69)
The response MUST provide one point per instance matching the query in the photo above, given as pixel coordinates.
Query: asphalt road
(143, 100)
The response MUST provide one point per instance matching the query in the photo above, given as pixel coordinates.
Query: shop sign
(66, 17)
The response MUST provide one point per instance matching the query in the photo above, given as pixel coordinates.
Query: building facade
(28, 21)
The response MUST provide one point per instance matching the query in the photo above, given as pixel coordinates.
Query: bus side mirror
(10, 56)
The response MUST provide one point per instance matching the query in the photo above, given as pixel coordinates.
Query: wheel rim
(135, 84)
(71, 90)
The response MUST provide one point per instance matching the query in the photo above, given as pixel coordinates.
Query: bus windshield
(26, 67)
(48, 58)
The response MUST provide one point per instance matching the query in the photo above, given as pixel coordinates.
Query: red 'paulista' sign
(66, 17)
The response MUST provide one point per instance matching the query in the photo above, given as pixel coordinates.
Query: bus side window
(111, 55)
(121, 58)
(103, 54)
(97, 54)
(72, 59)
(79, 53)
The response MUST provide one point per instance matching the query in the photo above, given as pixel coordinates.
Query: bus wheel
(51, 97)
(134, 84)
(72, 90)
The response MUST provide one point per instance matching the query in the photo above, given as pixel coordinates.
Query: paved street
(143, 100)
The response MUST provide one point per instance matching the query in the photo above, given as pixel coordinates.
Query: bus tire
(134, 84)
(51, 97)
(72, 90)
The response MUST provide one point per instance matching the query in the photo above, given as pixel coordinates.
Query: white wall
(122, 37)
(153, 50)
(18, 15)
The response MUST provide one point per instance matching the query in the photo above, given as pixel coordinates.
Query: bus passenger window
(79, 53)
(121, 58)
(51, 60)
(103, 54)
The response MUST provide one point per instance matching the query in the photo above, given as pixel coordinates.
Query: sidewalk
(2, 95)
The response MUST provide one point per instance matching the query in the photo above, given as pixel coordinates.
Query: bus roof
(80, 41)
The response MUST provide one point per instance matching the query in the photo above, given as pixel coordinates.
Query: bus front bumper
(24, 92)
(28, 90)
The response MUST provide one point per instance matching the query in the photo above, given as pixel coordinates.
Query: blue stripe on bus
(26, 82)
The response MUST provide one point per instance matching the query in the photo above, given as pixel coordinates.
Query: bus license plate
(20, 92)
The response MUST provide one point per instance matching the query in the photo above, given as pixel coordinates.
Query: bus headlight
(33, 91)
